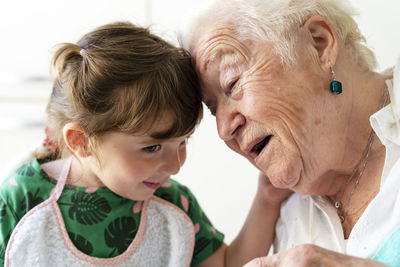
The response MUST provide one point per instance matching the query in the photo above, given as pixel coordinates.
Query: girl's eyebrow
(159, 135)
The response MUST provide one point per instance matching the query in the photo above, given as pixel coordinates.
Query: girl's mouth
(152, 185)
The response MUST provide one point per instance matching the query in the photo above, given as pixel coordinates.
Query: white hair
(278, 22)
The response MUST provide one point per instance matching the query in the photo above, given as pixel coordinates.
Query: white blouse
(309, 219)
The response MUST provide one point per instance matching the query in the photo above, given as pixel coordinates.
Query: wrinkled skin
(311, 256)
(311, 140)
(252, 96)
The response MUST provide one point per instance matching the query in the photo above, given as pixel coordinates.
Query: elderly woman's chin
(281, 164)
(284, 173)
(294, 181)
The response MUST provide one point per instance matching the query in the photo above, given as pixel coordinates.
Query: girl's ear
(319, 31)
(76, 138)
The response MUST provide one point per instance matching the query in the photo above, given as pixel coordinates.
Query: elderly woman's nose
(228, 122)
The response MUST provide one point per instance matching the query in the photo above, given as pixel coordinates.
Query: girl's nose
(173, 162)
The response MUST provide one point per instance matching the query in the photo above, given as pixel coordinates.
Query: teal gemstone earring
(336, 86)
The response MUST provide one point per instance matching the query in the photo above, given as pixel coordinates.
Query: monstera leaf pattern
(119, 234)
(31, 200)
(216, 243)
(88, 209)
(166, 197)
(81, 243)
(3, 244)
(201, 244)
(26, 170)
(3, 210)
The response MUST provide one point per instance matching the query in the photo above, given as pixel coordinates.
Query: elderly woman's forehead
(217, 45)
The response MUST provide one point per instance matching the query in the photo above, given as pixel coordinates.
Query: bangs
(138, 107)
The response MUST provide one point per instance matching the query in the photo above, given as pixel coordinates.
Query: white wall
(223, 182)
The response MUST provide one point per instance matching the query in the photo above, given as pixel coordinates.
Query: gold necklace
(363, 161)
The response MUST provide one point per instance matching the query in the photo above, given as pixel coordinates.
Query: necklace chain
(363, 161)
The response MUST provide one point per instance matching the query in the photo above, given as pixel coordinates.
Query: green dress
(99, 222)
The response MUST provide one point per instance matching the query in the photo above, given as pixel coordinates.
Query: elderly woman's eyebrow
(232, 62)
(210, 59)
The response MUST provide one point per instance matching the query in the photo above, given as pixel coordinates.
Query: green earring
(336, 86)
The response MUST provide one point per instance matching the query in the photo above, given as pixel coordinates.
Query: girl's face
(134, 166)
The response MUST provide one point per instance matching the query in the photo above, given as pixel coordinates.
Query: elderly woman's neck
(364, 93)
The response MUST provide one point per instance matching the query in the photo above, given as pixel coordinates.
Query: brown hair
(120, 77)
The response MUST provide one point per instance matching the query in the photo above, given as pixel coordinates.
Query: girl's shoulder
(26, 187)
(177, 194)
(181, 196)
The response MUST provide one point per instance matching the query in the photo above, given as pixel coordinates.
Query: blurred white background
(223, 182)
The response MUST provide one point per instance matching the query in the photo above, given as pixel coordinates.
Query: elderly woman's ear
(320, 33)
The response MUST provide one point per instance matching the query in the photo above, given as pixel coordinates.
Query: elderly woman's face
(271, 116)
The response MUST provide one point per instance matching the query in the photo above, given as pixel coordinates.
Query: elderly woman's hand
(311, 255)
(270, 193)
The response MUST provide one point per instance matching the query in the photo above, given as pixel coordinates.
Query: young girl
(123, 105)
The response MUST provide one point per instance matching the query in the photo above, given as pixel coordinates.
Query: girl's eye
(152, 149)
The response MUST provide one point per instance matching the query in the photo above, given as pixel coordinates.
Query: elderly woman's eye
(232, 84)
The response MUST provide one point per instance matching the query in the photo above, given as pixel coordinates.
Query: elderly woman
(293, 90)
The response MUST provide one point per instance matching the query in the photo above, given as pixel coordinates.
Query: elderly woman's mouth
(258, 147)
